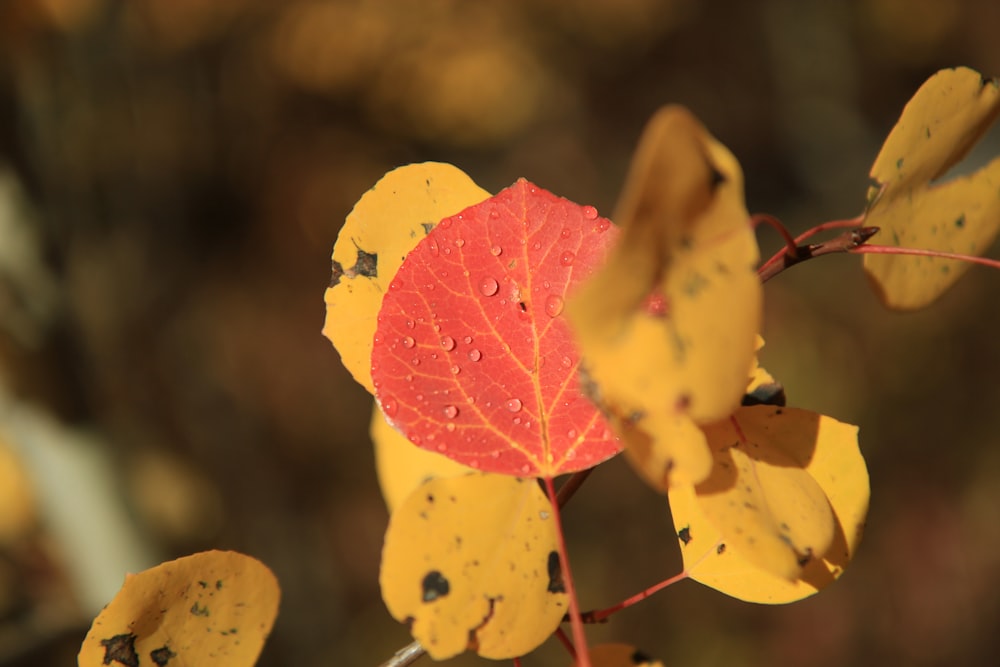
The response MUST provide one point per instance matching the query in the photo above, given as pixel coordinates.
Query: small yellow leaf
(472, 562)
(402, 466)
(212, 608)
(620, 655)
(385, 224)
(835, 464)
(938, 126)
(686, 240)
(759, 494)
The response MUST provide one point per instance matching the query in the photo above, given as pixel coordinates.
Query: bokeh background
(173, 174)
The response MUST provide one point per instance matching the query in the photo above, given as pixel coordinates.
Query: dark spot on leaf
(805, 557)
(335, 273)
(121, 649)
(218, 584)
(161, 656)
(203, 584)
(367, 264)
(428, 226)
(960, 223)
(522, 306)
(434, 586)
(899, 163)
(199, 610)
(640, 658)
(684, 534)
(556, 584)
(770, 393)
(430, 497)
(927, 131)
(721, 549)
(715, 178)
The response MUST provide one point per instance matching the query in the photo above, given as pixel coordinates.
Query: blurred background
(173, 174)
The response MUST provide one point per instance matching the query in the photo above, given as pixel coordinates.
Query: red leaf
(472, 356)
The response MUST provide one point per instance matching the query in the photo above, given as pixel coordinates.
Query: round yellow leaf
(836, 465)
(213, 608)
(402, 466)
(385, 224)
(472, 562)
(938, 126)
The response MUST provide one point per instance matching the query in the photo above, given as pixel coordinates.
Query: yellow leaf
(401, 465)
(835, 463)
(386, 223)
(937, 128)
(620, 655)
(472, 562)
(686, 238)
(762, 388)
(212, 608)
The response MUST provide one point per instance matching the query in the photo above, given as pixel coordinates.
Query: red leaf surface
(472, 356)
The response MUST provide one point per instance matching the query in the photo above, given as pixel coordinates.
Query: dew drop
(536, 245)
(442, 447)
(415, 439)
(450, 411)
(415, 361)
(467, 340)
(589, 212)
(496, 250)
(450, 427)
(448, 343)
(471, 400)
(389, 407)
(396, 284)
(419, 397)
(409, 324)
(566, 259)
(553, 305)
(516, 420)
(494, 454)
(409, 377)
(434, 355)
(445, 224)
(447, 251)
(456, 369)
(565, 233)
(432, 247)
(488, 286)
(603, 225)
(474, 464)
(459, 242)
(526, 469)
(566, 362)
(408, 342)
(514, 404)
(571, 434)
(378, 339)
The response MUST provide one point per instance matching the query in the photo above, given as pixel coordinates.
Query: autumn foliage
(520, 336)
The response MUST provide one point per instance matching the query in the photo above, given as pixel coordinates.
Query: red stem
(774, 223)
(893, 250)
(579, 637)
(567, 644)
(600, 615)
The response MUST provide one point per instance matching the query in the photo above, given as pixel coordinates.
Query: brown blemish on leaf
(336, 271)
(434, 586)
(199, 610)
(162, 656)
(121, 649)
(366, 265)
(684, 534)
(556, 584)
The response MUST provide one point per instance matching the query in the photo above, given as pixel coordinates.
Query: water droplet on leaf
(589, 212)
(450, 411)
(566, 259)
(488, 286)
(448, 343)
(389, 407)
(496, 250)
(408, 342)
(553, 305)
(475, 355)
(514, 404)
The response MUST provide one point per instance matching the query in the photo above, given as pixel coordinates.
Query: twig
(406, 656)
(848, 241)
(571, 485)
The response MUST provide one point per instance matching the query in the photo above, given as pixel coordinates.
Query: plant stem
(406, 656)
(567, 644)
(893, 250)
(849, 241)
(579, 637)
(600, 615)
(571, 485)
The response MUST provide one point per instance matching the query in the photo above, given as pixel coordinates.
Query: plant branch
(406, 656)
(849, 241)
(893, 250)
(571, 485)
(601, 615)
(767, 219)
(579, 637)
